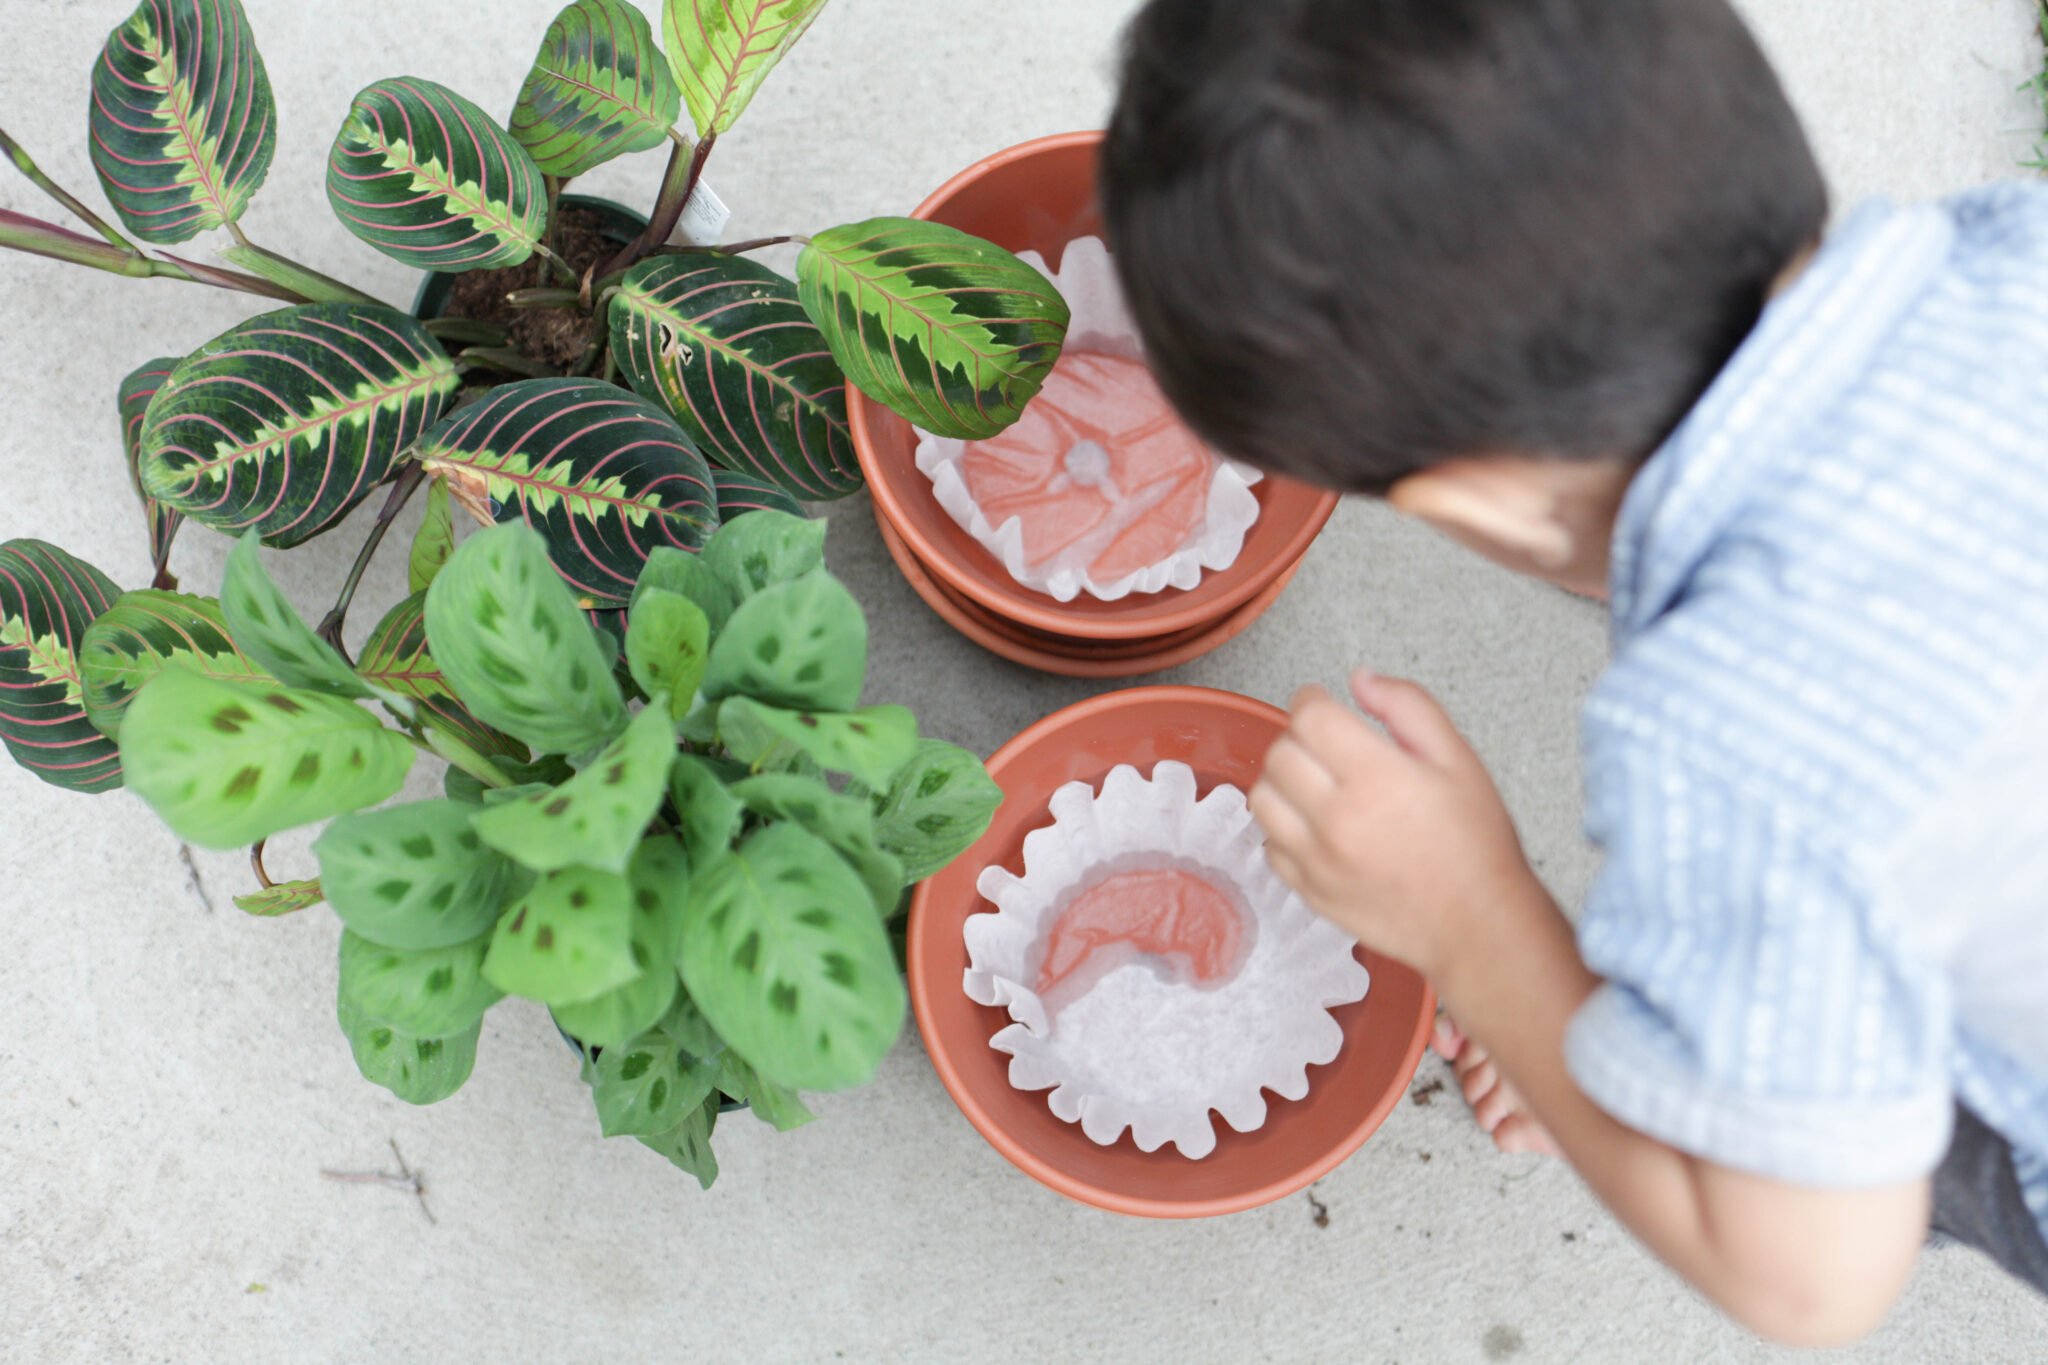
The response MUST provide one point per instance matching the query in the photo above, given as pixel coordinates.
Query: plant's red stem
(256, 862)
(409, 480)
(27, 166)
(678, 183)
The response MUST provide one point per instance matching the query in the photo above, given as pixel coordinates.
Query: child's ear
(1504, 508)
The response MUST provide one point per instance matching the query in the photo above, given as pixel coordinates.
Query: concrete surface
(173, 1080)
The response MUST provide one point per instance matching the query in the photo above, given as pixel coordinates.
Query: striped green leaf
(143, 633)
(433, 542)
(723, 49)
(396, 660)
(599, 88)
(783, 952)
(47, 600)
(183, 127)
(428, 178)
(283, 898)
(602, 474)
(413, 876)
(283, 424)
(136, 391)
(951, 332)
(725, 345)
(739, 494)
(416, 1070)
(508, 635)
(226, 764)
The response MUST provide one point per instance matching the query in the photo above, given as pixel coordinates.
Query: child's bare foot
(1495, 1105)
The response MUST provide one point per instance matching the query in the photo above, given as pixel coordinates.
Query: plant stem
(554, 235)
(256, 862)
(505, 359)
(678, 183)
(27, 166)
(409, 480)
(467, 331)
(547, 254)
(543, 298)
(308, 283)
(740, 248)
(433, 739)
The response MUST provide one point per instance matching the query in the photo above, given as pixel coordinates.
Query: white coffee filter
(1142, 1050)
(1101, 323)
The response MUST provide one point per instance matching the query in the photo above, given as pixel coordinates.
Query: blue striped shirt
(1818, 767)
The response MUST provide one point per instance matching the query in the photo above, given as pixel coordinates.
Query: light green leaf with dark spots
(685, 1023)
(268, 629)
(282, 899)
(688, 1145)
(708, 811)
(784, 954)
(648, 1085)
(660, 880)
(801, 644)
(688, 575)
(425, 993)
(870, 744)
(761, 548)
(668, 640)
(937, 806)
(596, 818)
(417, 1070)
(131, 643)
(844, 822)
(396, 660)
(507, 633)
(434, 541)
(772, 1104)
(414, 876)
(225, 764)
(567, 940)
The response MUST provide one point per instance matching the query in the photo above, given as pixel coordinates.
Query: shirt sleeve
(1752, 1014)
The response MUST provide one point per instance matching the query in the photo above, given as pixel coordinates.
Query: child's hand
(1399, 838)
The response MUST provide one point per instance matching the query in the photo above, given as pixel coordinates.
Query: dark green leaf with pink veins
(596, 818)
(800, 644)
(428, 178)
(416, 1070)
(599, 88)
(740, 493)
(145, 630)
(725, 346)
(183, 127)
(952, 333)
(414, 876)
(660, 880)
(395, 659)
(567, 940)
(283, 424)
(47, 600)
(136, 390)
(507, 634)
(423, 992)
(783, 952)
(225, 764)
(602, 474)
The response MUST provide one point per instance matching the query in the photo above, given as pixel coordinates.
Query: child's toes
(1494, 1108)
(1521, 1135)
(1478, 1078)
(1449, 1040)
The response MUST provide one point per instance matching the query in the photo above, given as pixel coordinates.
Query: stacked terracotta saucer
(1039, 197)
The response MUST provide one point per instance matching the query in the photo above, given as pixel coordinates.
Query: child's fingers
(1334, 732)
(1298, 775)
(1287, 830)
(1411, 716)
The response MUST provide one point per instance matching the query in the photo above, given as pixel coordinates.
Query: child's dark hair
(1364, 237)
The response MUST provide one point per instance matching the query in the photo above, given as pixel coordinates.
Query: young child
(1550, 275)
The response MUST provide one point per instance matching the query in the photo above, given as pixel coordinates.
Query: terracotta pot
(1224, 738)
(621, 224)
(1039, 196)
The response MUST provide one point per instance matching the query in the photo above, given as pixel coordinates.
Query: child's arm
(1405, 843)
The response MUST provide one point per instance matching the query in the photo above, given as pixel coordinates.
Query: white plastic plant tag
(1154, 967)
(704, 218)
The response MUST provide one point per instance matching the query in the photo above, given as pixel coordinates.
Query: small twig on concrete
(1318, 1211)
(192, 874)
(406, 1179)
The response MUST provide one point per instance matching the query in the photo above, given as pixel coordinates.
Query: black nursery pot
(619, 224)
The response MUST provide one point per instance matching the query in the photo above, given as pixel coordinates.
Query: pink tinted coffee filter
(1098, 488)
(1154, 968)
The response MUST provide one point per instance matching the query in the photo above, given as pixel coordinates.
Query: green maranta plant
(667, 815)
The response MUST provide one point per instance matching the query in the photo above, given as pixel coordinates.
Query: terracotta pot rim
(940, 1049)
(1091, 660)
(1149, 614)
